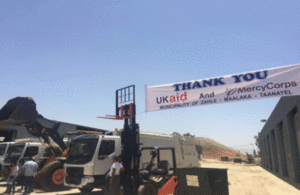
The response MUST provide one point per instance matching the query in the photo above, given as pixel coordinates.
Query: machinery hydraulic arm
(22, 111)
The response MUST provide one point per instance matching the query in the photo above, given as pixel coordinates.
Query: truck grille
(74, 175)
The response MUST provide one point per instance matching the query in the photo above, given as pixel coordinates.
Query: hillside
(214, 150)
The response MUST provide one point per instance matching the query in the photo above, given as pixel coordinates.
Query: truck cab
(3, 152)
(90, 156)
(89, 160)
(21, 150)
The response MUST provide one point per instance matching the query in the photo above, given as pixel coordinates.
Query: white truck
(90, 156)
(3, 151)
(22, 149)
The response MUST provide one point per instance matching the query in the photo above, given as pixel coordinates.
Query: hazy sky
(70, 56)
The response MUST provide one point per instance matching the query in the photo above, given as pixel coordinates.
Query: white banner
(275, 82)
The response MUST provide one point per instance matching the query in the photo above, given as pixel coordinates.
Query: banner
(275, 82)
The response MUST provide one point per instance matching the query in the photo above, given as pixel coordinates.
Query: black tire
(86, 190)
(176, 192)
(147, 189)
(45, 179)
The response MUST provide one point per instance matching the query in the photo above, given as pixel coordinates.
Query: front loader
(21, 111)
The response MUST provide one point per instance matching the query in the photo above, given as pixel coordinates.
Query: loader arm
(22, 111)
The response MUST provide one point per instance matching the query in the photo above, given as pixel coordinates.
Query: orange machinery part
(49, 160)
(169, 187)
(58, 177)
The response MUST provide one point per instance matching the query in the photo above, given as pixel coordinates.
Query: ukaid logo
(180, 97)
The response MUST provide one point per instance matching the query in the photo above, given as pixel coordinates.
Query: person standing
(12, 177)
(21, 174)
(116, 168)
(29, 170)
(120, 159)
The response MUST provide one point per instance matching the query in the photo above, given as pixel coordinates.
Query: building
(11, 133)
(279, 141)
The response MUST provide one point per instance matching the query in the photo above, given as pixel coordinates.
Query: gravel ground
(41, 192)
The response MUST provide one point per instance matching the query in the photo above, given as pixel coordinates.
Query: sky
(71, 56)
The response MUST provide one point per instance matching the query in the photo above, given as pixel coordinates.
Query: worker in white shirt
(115, 170)
(29, 169)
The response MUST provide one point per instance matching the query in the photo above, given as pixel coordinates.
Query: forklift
(136, 181)
(162, 179)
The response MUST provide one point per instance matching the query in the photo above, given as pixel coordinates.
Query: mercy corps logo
(180, 97)
(261, 88)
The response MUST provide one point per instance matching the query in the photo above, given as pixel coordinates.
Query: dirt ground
(244, 179)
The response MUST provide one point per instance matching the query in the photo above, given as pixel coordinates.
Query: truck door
(3, 149)
(108, 148)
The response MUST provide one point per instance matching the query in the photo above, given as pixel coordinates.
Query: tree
(254, 153)
(257, 141)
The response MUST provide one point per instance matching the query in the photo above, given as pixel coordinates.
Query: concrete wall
(279, 141)
(10, 133)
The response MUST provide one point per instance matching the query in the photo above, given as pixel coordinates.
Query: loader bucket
(18, 111)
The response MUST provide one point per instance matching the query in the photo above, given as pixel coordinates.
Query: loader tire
(147, 189)
(52, 177)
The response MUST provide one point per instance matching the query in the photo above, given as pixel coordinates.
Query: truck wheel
(147, 189)
(86, 190)
(52, 177)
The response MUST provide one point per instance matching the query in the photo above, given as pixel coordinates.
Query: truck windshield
(2, 149)
(14, 152)
(82, 151)
(68, 138)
